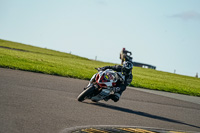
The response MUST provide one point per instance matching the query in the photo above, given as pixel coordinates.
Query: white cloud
(189, 15)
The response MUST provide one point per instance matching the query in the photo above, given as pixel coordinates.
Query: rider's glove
(99, 69)
(116, 89)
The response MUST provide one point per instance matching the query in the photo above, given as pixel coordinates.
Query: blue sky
(163, 33)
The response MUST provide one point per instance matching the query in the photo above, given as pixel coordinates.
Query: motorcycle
(101, 85)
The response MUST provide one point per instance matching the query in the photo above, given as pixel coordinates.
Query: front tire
(89, 91)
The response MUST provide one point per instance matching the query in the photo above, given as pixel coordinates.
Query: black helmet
(127, 67)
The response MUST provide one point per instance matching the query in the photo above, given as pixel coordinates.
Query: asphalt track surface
(40, 103)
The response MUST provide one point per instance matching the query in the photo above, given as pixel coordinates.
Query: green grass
(25, 57)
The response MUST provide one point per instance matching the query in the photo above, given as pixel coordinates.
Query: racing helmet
(127, 67)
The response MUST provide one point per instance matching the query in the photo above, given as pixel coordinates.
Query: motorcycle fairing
(104, 80)
(104, 93)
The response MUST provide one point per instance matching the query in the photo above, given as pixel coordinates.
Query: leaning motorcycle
(101, 85)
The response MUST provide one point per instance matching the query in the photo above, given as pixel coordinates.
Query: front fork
(92, 80)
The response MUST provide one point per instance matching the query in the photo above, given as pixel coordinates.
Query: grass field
(29, 58)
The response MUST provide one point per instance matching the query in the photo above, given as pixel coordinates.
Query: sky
(162, 33)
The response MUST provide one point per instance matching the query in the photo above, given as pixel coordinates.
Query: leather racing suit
(121, 84)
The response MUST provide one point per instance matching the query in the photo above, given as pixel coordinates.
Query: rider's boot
(95, 101)
(115, 97)
(107, 98)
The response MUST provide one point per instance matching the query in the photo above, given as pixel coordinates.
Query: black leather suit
(128, 77)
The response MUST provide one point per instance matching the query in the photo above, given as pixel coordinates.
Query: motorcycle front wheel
(88, 92)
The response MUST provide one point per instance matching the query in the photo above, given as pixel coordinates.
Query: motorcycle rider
(126, 71)
(123, 55)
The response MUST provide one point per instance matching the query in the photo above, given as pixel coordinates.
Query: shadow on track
(126, 110)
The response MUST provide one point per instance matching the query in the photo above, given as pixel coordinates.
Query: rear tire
(85, 93)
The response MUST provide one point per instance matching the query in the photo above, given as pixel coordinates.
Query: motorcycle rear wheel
(87, 92)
